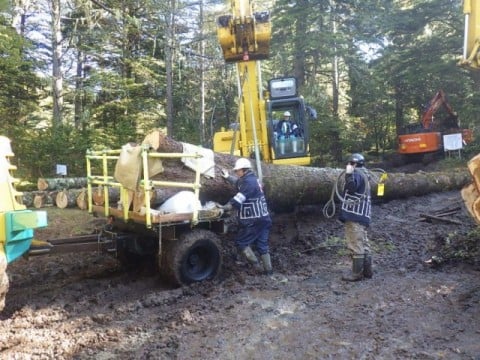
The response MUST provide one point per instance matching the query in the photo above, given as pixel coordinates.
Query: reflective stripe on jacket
(357, 202)
(249, 200)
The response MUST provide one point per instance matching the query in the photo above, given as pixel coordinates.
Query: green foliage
(453, 162)
(38, 152)
(18, 83)
(367, 67)
(459, 247)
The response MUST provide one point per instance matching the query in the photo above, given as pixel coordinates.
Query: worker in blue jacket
(355, 213)
(253, 216)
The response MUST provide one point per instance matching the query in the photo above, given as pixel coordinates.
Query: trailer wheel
(3, 279)
(194, 257)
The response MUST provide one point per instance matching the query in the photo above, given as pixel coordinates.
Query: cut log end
(42, 184)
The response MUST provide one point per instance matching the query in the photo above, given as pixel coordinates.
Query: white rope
(372, 175)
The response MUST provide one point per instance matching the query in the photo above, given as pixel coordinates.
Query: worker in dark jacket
(253, 216)
(355, 213)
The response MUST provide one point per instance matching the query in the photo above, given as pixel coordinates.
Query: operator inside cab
(287, 127)
(284, 126)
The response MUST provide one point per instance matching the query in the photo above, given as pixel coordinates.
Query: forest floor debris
(83, 306)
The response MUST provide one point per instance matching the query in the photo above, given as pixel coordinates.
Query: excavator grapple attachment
(244, 38)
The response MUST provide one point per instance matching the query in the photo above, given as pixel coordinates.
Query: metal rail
(146, 185)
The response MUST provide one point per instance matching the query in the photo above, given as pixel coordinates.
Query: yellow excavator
(271, 127)
(471, 38)
(471, 60)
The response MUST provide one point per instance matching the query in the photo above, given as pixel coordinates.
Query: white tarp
(180, 203)
(206, 162)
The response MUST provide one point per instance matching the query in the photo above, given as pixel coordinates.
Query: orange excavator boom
(437, 101)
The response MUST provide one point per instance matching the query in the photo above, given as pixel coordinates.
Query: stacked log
(62, 183)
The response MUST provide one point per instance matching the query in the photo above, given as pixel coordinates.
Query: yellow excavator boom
(244, 36)
(471, 43)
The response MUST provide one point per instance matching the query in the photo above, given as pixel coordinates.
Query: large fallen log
(287, 186)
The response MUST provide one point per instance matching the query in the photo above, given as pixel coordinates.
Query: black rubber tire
(195, 256)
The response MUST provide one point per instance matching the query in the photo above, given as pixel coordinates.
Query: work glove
(225, 174)
(227, 207)
(349, 169)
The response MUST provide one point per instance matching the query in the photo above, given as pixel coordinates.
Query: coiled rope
(368, 175)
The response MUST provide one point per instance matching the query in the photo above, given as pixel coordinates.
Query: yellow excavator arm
(471, 43)
(244, 36)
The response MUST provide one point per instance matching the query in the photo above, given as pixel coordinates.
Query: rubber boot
(367, 266)
(251, 257)
(357, 269)
(267, 264)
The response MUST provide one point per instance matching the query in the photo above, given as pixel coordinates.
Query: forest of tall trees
(83, 74)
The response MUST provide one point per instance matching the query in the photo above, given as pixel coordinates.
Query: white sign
(61, 170)
(452, 142)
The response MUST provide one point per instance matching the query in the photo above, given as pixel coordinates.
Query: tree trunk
(57, 73)
(157, 196)
(98, 196)
(61, 183)
(287, 186)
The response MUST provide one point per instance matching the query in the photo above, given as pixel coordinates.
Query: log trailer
(427, 136)
(184, 243)
(244, 37)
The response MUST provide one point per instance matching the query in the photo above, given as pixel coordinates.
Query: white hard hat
(286, 113)
(242, 164)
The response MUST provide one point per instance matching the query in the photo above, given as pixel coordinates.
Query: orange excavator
(427, 137)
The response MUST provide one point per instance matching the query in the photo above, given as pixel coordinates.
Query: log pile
(66, 198)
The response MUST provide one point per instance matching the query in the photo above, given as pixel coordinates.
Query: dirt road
(86, 306)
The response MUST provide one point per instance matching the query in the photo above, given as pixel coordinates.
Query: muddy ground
(423, 302)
